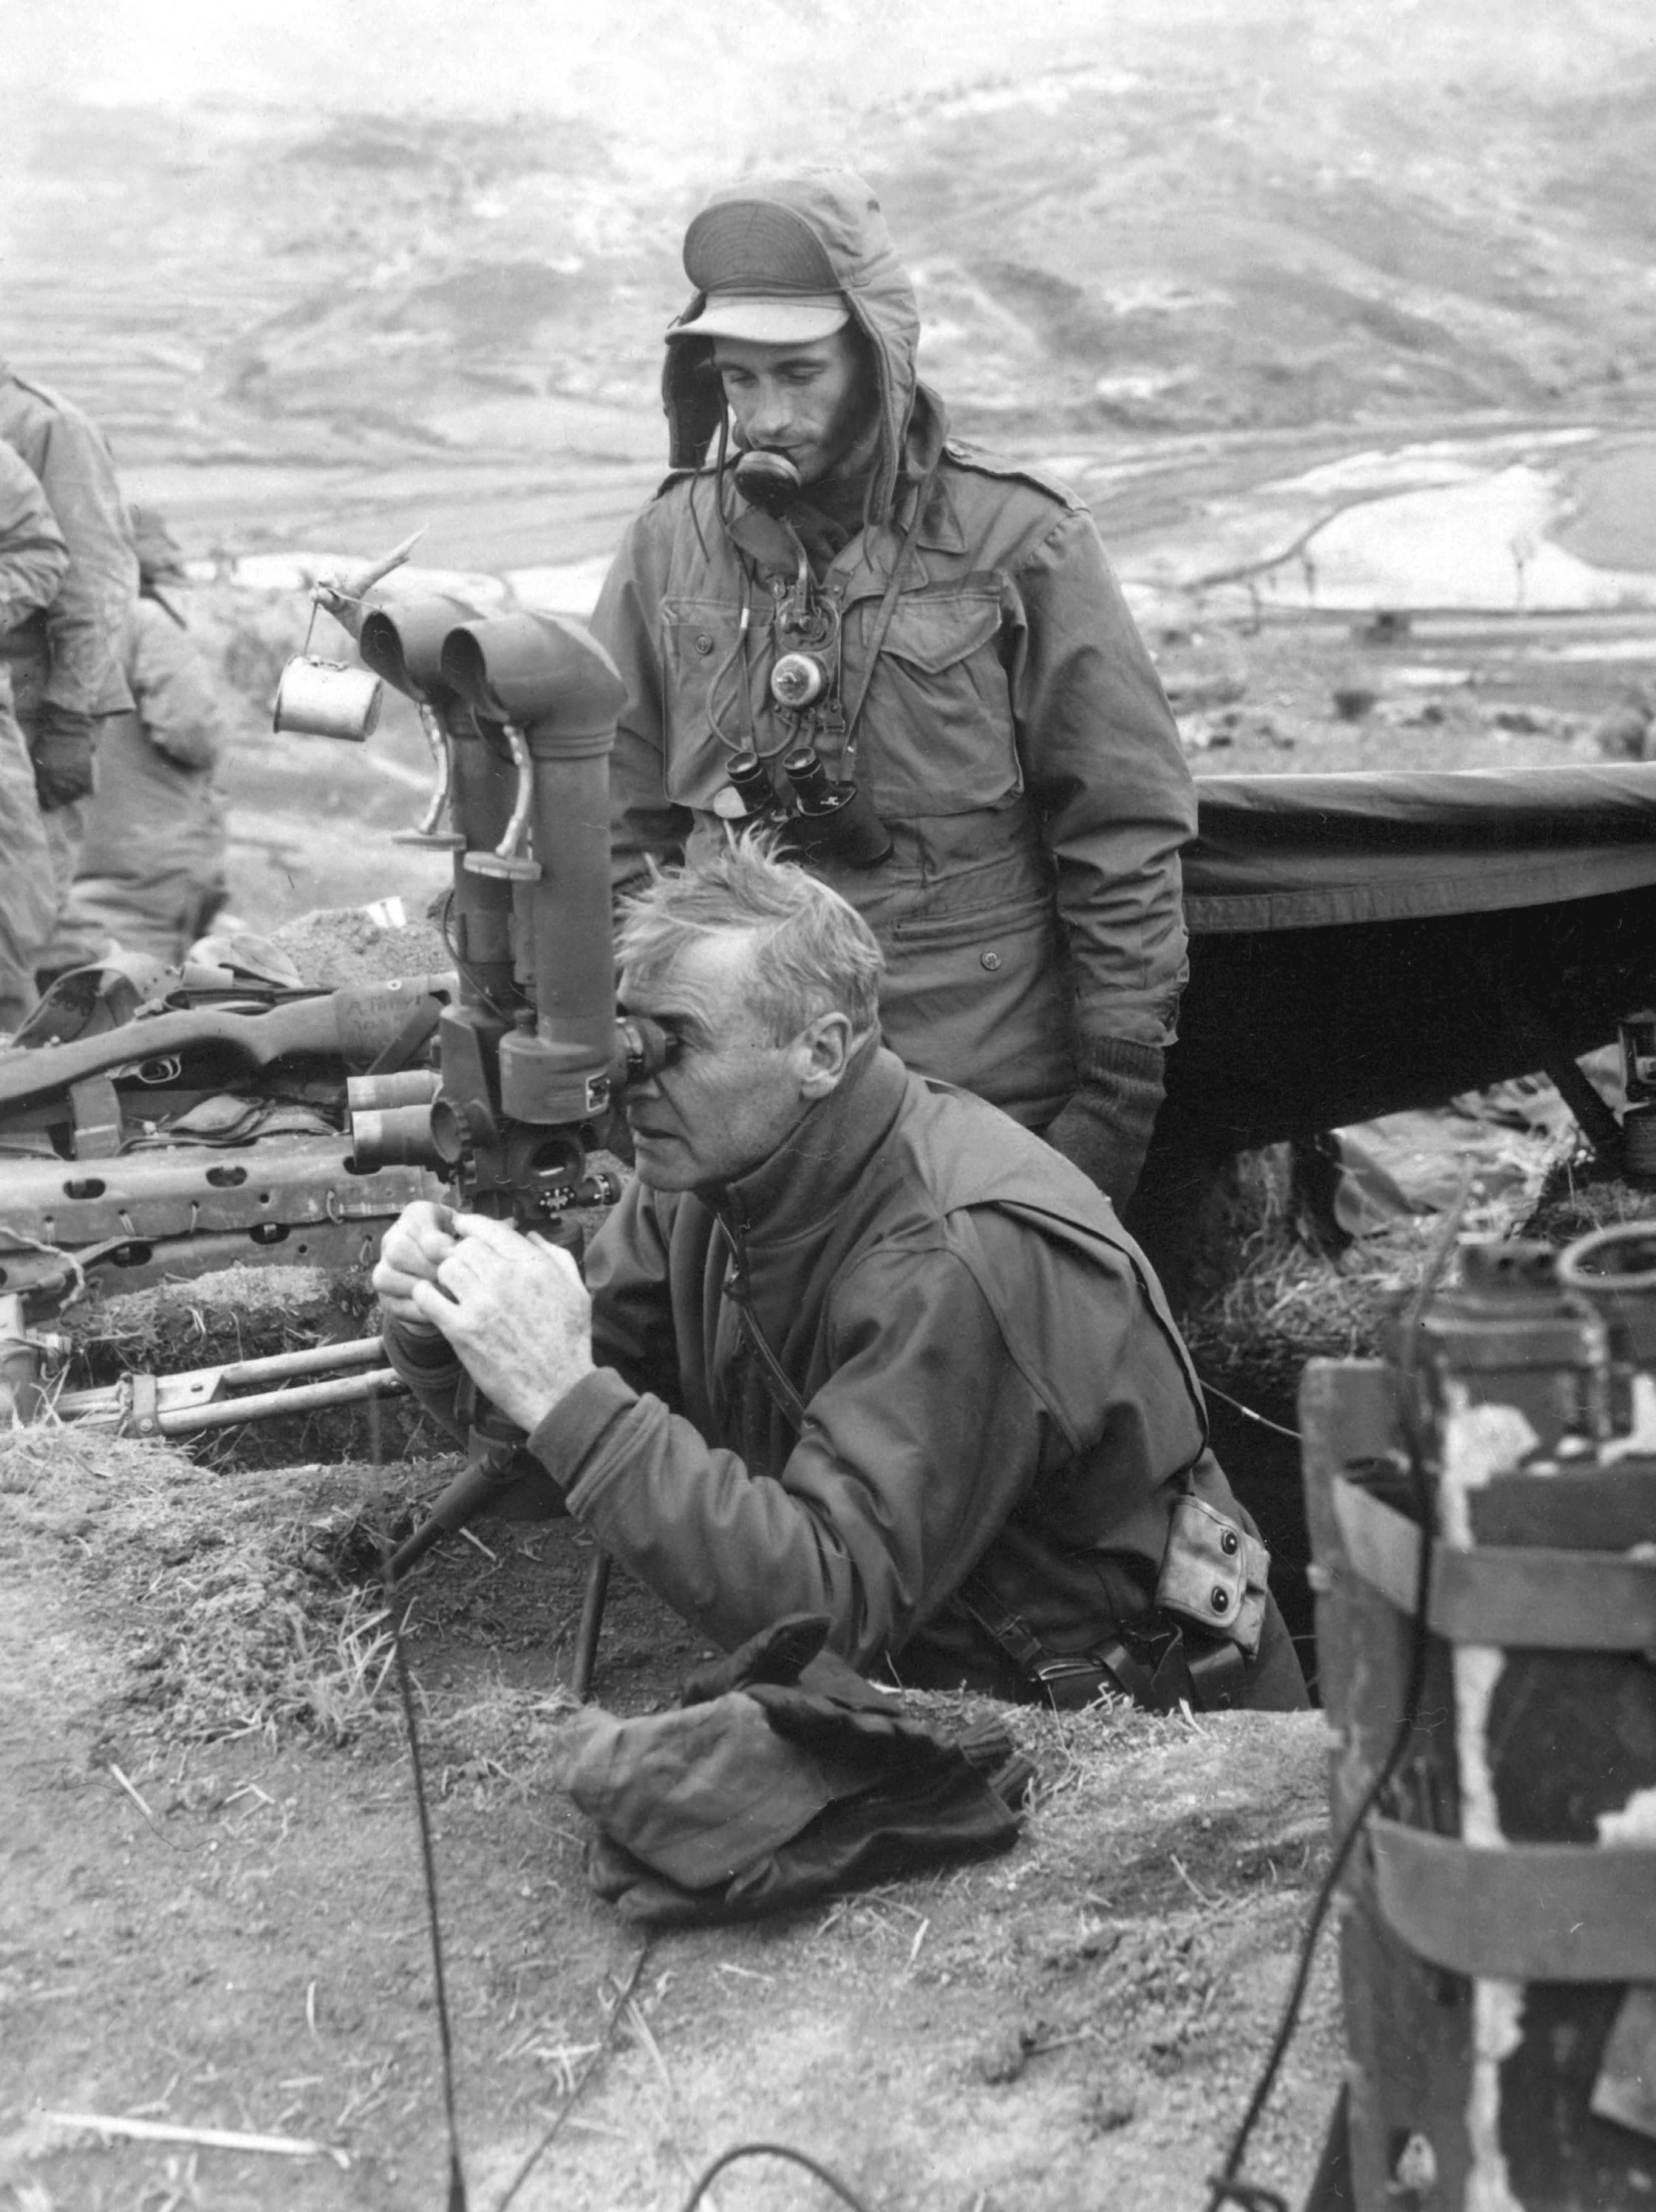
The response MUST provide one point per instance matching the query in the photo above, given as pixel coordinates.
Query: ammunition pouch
(1213, 1576)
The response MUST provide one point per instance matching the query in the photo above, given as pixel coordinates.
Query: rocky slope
(1205, 217)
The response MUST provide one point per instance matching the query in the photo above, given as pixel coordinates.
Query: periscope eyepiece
(643, 1049)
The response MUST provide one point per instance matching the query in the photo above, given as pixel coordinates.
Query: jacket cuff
(1098, 1059)
(423, 1357)
(579, 1421)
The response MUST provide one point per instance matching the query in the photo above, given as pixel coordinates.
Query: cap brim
(766, 320)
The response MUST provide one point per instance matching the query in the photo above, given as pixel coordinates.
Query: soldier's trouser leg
(65, 827)
(28, 888)
(95, 919)
(64, 838)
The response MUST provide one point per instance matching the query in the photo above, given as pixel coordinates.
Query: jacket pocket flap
(933, 633)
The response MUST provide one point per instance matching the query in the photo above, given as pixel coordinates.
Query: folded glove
(62, 748)
(1105, 1127)
(782, 1776)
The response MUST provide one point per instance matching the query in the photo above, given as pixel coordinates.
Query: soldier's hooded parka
(67, 654)
(61, 658)
(1013, 734)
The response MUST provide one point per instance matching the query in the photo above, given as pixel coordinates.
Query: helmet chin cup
(767, 481)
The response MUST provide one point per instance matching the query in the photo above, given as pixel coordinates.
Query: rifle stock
(354, 1026)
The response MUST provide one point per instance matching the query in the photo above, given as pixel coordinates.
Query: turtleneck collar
(804, 1182)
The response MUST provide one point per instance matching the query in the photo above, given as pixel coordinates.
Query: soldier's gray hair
(812, 952)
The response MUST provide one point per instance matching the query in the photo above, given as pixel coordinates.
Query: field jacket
(1013, 734)
(68, 653)
(154, 853)
(33, 558)
(989, 1377)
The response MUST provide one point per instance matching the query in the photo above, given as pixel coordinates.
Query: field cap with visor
(761, 274)
(789, 260)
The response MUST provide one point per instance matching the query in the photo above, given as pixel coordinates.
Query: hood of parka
(843, 216)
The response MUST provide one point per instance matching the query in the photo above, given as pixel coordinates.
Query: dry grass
(31, 1458)
(237, 1658)
(223, 1633)
(1575, 1202)
(1269, 1301)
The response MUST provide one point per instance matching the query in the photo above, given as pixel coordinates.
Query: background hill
(344, 235)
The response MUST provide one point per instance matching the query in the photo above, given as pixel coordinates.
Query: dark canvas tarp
(1367, 943)
(1309, 851)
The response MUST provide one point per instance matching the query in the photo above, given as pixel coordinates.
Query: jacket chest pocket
(936, 729)
(708, 705)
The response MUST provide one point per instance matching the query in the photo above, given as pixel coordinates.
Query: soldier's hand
(516, 1311)
(62, 750)
(414, 1248)
(1104, 1129)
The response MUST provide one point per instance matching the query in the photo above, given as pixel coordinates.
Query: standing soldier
(33, 560)
(846, 588)
(65, 659)
(152, 873)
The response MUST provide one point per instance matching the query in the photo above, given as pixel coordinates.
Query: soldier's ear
(824, 1048)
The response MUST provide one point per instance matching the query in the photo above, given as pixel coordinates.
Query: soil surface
(214, 1917)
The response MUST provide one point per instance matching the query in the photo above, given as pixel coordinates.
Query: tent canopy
(1311, 852)
(1367, 943)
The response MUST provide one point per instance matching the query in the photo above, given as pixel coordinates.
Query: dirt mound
(213, 1916)
(337, 945)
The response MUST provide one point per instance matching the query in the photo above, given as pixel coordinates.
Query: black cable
(695, 519)
(580, 2079)
(444, 914)
(831, 2180)
(1228, 2185)
(457, 2201)
(1212, 1390)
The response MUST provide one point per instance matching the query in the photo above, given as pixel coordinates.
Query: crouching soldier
(853, 1343)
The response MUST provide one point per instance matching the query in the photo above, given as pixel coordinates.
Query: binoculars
(825, 820)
